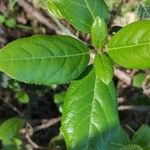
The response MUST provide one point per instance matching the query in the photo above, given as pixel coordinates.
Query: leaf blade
(9, 129)
(99, 33)
(103, 68)
(81, 13)
(142, 137)
(89, 114)
(132, 43)
(44, 59)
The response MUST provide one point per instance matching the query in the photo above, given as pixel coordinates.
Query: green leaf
(10, 128)
(2, 18)
(142, 137)
(51, 7)
(90, 118)
(81, 13)
(44, 59)
(131, 147)
(22, 97)
(99, 33)
(130, 47)
(103, 68)
(121, 140)
(138, 80)
(11, 23)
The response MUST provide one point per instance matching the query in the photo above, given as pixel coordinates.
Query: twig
(29, 130)
(116, 11)
(35, 14)
(33, 144)
(49, 123)
(123, 76)
(135, 108)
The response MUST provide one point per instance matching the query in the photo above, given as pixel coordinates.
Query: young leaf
(99, 33)
(81, 13)
(44, 59)
(10, 128)
(142, 137)
(103, 68)
(130, 47)
(120, 140)
(90, 118)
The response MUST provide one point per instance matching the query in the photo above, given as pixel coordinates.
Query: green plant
(90, 118)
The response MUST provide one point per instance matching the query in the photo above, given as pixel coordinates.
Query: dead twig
(47, 124)
(135, 108)
(116, 10)
(37, 15)
(123, 76)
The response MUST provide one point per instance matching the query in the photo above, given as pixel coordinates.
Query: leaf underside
(44, 59)
(90, 118)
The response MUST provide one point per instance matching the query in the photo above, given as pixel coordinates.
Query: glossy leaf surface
(81, 13)
(103, 68)
(44, 59)
(130, 47)
(142, 137)
(90, 118)
(99, 33)
(10, 128)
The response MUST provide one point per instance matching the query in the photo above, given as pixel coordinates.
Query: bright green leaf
(99, 33)
(81, 13)
(142, 137)
(51, 7)
(44, 59)
(10, 128)
(130, 47)
(90, 118)
(121, 140)
(22, 97)
(103, 68)
(131, 147)
(2, 18)
(11, 23)
(138, 80)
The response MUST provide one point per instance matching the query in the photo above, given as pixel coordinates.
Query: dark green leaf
(44, 59)
(130, 47)
(143, 11)
(81, 13)
(121, 140)
(142, 137)
(103, 68)
(90, 118)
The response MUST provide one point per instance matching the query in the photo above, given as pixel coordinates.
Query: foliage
(90, 118)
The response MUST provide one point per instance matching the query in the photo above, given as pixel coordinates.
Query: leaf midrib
(48, 57)
(130, 46)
